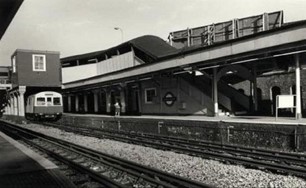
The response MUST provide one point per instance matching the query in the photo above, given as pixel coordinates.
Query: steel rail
(277, 156)
(152, 175)
(295, 158)
(299, 159)
(94, 175)
(235, 159)
(274, 156)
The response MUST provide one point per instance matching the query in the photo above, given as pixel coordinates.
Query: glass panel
(40, 101)
(56, 101)
(150, 94)
(39, 62)
(49, 101)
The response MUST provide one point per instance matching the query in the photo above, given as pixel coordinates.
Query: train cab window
(56, 101)
(49, 101)
(41, 101)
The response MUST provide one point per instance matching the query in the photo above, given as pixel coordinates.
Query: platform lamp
(118, 28)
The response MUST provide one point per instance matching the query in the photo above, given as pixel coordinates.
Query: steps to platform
(229, 99)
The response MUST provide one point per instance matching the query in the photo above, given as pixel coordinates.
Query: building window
(149, 95)
(39, 62)
(3, 74)
(14, 64)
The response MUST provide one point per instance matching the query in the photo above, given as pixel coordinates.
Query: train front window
(41, 101)
(56, 101)
(49, 101)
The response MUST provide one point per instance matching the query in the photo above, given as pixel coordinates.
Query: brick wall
(266, 83)
(271, 136)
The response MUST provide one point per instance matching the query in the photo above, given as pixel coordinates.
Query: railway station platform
(21, 167)
(285, 133)
(241, 119)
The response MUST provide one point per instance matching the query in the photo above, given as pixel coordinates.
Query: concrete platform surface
(21, 167)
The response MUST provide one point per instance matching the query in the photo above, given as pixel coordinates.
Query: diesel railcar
(44, 105)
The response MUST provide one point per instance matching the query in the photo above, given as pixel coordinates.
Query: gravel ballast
(203, 170)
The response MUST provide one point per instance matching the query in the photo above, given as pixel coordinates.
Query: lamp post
(118, 28)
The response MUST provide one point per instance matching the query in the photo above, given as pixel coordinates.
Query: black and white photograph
(152, 94)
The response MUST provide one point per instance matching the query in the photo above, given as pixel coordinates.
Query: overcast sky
(80, 26)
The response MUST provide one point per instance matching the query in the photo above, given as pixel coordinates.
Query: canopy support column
(85, 102)
(298, 86)
(215, 93)
(69, 103)
(77, 109)
(255, 97)
(108, 101)
(96, 100)
(22, 90)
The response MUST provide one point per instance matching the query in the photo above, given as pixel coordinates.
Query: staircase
(230, 100)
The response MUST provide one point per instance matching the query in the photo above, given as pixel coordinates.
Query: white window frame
(44, 62)
(146, 96)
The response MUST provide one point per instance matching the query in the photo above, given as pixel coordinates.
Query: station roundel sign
(169, 99)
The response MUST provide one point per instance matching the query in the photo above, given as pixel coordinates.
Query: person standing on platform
(117, 109)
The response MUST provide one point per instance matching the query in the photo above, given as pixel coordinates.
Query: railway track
(107, 170)
(280, 162)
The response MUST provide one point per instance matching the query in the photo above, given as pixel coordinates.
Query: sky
(79, 26)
